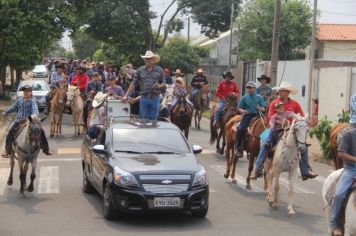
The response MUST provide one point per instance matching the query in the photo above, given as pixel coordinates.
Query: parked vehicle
(138, 166)
(40, 71)
(39, 91)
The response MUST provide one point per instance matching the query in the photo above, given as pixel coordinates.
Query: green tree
(178, 54)
(256, 29)
(84, 45)
(56, 50)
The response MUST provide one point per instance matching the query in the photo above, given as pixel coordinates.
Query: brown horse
(217, 131)
(76, 106)
(334, 143)
(199, 102)
(230, 138)
(88, 107)
(57, 104)
(181, 115)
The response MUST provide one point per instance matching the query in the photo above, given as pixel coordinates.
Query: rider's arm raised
(13, 108)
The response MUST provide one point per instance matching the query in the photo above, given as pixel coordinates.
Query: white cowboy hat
(177, 71)
(200, 70)
(149, 54)
(99, 99)
(287, 86)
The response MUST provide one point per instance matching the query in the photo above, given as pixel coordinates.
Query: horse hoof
(270, 203)
(9, 182)
(291, 213)
(22, 195)
(30, 189)
(248, 187)
(233, 181)
(226, 176)
(51, 135)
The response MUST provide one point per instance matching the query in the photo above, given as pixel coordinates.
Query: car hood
(40, 70)
(156, 162)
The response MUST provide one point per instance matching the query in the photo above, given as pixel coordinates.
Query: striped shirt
(146, 79)
(23, 109)
(55, 78)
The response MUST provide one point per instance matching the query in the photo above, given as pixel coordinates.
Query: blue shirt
(249, 103)
(23, 109)
(264, 91)
(97, 86)
(55, 78)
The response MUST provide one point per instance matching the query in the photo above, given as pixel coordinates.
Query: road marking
(49, 160)
(240, 180)
(296, 187)
(212, 190)
(320, 179)
(49, 179)
(4, 174)
(68, 150)
(208, 151)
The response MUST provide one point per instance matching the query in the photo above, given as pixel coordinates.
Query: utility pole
(231, 26)
(275, 42)
(311, 58)
(188, 34)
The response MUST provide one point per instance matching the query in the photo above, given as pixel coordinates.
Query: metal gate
(249, 74)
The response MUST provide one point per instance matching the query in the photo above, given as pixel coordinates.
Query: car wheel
(201, 213)
(108, 207)
(87, 187)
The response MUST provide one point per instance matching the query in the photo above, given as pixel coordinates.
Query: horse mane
(334, 132)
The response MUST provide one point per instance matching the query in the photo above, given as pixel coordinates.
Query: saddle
(20, 127)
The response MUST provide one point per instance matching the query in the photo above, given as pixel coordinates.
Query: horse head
(34, 132)
(61, 92)
(300, 129)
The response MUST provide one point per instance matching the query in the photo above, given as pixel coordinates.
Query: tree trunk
(12, 76)
(2, 77)
(18, 75)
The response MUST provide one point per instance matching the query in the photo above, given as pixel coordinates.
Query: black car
(138, 167)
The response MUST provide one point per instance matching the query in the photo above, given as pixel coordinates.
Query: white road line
(241, 181)
(296, 187)
(212, 190)
(49, 180)
(4, 174)
(208, 151)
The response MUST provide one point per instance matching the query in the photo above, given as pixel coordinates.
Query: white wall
(345, 51)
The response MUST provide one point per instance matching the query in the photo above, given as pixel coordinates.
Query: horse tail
(213, 132)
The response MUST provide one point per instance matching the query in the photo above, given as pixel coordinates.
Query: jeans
(219, 110)
(149, 107)
(241, 131)
(194, 92)
(343, 185)
(93, 132)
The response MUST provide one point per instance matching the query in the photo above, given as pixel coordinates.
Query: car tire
(87, 187)
(201, 213)
(108, 207)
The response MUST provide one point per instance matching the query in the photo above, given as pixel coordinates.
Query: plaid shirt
(55, 78)
(23, 109)
(146, 79)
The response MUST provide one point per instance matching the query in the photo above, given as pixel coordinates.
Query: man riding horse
(24, 107)
(198, 81)
(225, 88)
(57, 77)
(250, 106)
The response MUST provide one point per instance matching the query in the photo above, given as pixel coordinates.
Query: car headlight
(124, 178)
(201, 178)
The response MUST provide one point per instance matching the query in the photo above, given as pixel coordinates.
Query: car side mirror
(197, 149)
(99, 149)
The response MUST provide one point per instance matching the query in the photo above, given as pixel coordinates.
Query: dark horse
(25, 149)
(181, 115)
(218, 131)
(199, 102)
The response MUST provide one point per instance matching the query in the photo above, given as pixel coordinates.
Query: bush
(322, 134)
(344, 117)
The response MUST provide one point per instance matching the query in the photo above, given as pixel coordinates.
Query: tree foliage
(84, 45)
(178, 54)
(256, 29)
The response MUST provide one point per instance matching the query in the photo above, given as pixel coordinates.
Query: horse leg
(33, 174)
(74, 122)
(199, 118)
(227, 156)
(276, 189)
(269, 178)
(291, 212)
(53, 124)
(195, 118)
(60, 123)
(233, 163)
(21, 176)
(251, 160)
(224, 142)
(25, 168)
(12, 164)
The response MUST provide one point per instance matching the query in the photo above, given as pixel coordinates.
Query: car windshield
(36, 85)
(40, 67)
(149, 140)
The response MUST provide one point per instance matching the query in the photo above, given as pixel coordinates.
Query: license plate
(166, 202)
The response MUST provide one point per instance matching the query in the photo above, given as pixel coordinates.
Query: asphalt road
(59, 207)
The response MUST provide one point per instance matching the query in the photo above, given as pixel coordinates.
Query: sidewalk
(4, 122)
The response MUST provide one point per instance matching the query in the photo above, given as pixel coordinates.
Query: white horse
(350, 211)
(286, 159)
(168, 97)
(76, 102)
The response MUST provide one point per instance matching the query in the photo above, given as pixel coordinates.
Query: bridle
(295, 135)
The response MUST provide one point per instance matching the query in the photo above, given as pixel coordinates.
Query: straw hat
(177, 71)
(200, 71)
(150, 55)
(99, 99)
(181, 81)
(287, 86)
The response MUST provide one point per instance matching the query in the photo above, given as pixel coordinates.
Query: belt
(150, 95)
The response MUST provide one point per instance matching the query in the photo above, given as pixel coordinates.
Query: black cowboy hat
(26, 87)
(268, 79)
(82, 68)
(61, 65)
(228, 73)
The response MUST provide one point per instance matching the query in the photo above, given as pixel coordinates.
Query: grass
(207, 114)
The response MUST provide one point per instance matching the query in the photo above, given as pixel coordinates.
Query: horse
(229, 111)
(74, 96)
(285, 159)
(199, 102)
(57, 104)
(230, 137)
(349, 219)
(181, 115)
(25, 149)
(168, 96)
(334, 140)
(87, 108)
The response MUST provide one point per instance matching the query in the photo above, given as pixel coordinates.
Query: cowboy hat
(267, 78)
(228, 73)
(99, 99)
(26, 87)
(287, 86)
(177, 71)
(251, 84)
(61, 65)
(181, 81)
(150, 55)
(200, 70)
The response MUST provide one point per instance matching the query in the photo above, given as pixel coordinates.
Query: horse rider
(284, 90)
(250, 106)
(56, 77)
(94, 85)
(98, 115)
(167, 78)
(278, 121)
(177, 75)
(198, 81)
(264, 89)
(114, 90)
(80, 80)
(150, 79)
(179, 91)
(24, 107)
(226, 87)
(347, 152)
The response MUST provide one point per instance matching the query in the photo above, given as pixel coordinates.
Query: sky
(330, 11)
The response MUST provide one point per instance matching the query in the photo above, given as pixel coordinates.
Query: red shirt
(82, 81)
(226, 88)
(291, 105)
